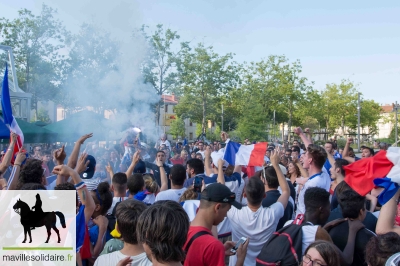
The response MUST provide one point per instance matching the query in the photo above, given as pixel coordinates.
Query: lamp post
(222, 117)
(358, 122)
(395, 108)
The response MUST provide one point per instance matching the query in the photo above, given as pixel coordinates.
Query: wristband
(83, 186)
(79, 184)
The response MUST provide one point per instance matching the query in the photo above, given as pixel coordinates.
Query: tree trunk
(290, 126)
(203, 126)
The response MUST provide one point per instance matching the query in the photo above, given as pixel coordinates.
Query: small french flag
(8, 117)
(250, 155)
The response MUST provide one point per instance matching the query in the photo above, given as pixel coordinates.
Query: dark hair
(32, 186)
(339, 163)
(197, 165)
(328, 252)
(178, 174)
(255, 191)
(65, 186)
(32, 172)
(288, 150)
(127, 213)
(135, 183)
(317, 154)
(163, 227)
(270, 177)
(119, 182)
(342, 186)
(296, 168)
(351, 203)
(296, 148)
(379, 248)
(160, 151)
(106, 197)
(314, 198)
(370, 150)
(329, 142)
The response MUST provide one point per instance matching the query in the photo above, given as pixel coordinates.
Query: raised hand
(224, 136)
(82, 139)
(82, 163)
(159, 163)
(274, 158)
(14, 137)
(21, 156)
(298, 131)
(207, 152)
(63, 170)
(136, 156)
(60, 155)
(109, 168)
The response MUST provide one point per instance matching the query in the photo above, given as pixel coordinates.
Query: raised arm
(135, 160)
(9, 153)
(163, 175)
(73, 158)
(345, 154)
(284, 197)
(299, 132)
(81, 188)
(387, 215)
(60, 156)
(14, 177)
(221, 177)
(207, 163)
(110, 172)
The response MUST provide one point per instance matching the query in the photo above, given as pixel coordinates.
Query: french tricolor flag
(382, 170)
(8, 117)
(250, 155)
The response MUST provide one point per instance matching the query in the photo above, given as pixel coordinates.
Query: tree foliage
(36, 42)
(177, 128)
(204, 77)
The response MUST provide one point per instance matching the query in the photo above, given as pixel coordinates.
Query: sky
(334, 40)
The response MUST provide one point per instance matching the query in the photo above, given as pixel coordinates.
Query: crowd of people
(184, 204)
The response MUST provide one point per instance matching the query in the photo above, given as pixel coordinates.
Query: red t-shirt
(177, 161)
(205, 250)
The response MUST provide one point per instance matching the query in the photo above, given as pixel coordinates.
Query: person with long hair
(321, 253)
(293, 173)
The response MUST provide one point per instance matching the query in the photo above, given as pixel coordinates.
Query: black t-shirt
(271, 198)
(369, 221)
(339, 235)
(156, 172)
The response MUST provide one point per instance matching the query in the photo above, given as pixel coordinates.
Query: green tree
(340, 105)
(43, 115)
(93, 55)
(177, 128)
(159, 68)
(36, 41)
(204, 77)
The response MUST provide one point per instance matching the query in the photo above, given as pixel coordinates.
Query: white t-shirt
(114, 257)
(150, 198)
(170, 194)
(259, 226)
(321, 180)
(309, 232)
(114, 202)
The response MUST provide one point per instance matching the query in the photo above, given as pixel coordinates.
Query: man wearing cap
(87, 175)
(204, 249)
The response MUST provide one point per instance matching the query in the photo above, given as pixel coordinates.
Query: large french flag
(382, 170)
(8, 117)
(250, 155)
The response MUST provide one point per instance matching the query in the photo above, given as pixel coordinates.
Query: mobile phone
(242, 240)
(198, 183)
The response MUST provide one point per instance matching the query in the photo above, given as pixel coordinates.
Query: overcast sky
(335, 40)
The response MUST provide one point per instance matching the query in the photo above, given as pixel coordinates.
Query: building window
(213, 124)
(190, 136)
(190, 124)
(166, 108)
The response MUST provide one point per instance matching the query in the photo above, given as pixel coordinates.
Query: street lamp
(358, 122)
(395, 108)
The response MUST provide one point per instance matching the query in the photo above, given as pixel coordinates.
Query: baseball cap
(217, 192)
(393, 260)
(89, 172)
(140, 167)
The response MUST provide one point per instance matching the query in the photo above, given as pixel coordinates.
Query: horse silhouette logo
(31, 219)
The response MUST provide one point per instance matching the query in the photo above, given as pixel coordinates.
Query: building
(385, 123)
(167, 115)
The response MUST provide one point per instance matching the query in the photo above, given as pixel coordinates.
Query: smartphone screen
(241, 241)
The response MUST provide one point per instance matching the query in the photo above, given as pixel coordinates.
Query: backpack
(112, 219)
(284, 247)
